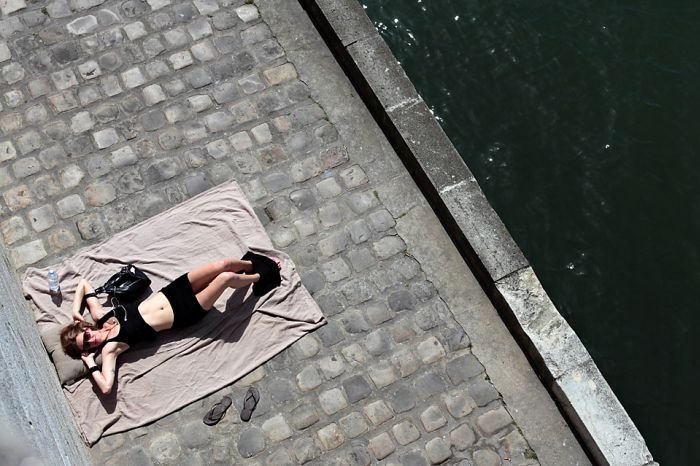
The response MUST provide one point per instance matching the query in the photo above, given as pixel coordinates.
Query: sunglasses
(87, 336)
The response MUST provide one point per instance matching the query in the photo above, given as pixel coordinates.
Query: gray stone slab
(486, 233)
(383, 73)
(553, 338)
(589, 399)
(347, 19)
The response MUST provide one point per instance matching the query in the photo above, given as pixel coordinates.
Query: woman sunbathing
(181, 303)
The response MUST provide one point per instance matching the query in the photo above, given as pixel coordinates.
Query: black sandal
(217, 412)
(250, 401)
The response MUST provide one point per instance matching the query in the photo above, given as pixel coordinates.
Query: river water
(580, 120)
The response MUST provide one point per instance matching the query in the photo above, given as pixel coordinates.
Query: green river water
(580, 120)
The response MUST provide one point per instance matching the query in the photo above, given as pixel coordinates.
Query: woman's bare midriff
(157, 312)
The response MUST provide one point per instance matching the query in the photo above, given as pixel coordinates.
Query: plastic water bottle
(54, 287)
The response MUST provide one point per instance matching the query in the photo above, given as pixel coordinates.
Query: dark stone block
(331, 334)
(224, 20)
(81, 145)
(132, 104)
(401, 300)
(356, 388)
(184, 12)
(303, 199)
(281, 390)
(251, 442)
(331, 304)
(133, 8)
(483, 393)
(414, 458)
(403, 399)
(463, 368)
(354, 322)
(313, 280)
(41, 62)
(262, 215)
(304, 416)
(243, 62)
(199, 77)
(456, 339)
(430, 384)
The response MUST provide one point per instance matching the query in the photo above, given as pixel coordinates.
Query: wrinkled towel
(242, 332)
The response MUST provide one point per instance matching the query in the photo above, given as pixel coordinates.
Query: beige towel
(182, 366)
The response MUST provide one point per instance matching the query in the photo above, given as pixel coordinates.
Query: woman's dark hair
(68, 338)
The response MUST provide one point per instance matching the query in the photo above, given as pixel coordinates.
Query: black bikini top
(132, 328)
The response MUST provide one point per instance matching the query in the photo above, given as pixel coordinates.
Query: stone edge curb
(37, 414)
(557, 354)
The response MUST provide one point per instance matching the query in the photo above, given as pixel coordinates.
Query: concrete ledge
(554, 349)
(579, 387)
(32, 406)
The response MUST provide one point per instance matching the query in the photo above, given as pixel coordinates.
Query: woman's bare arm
(104, 378)
(93, 304)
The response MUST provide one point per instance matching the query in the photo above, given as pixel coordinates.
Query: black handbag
(127, 284)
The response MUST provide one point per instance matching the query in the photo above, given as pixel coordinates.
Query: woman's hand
(88, 359)
(78, 316)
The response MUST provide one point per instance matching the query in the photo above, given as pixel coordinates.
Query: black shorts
(186, 308)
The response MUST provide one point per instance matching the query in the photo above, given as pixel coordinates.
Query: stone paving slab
(114, 111)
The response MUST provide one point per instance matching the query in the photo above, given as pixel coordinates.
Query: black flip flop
(250, 401)
(217, 412)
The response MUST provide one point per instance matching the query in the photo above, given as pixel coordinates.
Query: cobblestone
(26, 167)
(438, 450)
(401, 300)
(382, 374)
(332, 401)
(378, 412)
(388, 246)
(53, 156)
(483, 392)
(304, 416)
(354, 424)
(430, 350)
(61, 239)
(165, 448)
(331, 437)
(403, 399)
(356, 388)
(251, 442)
(406, 432)
(485, 457)
(100, 193)
(432, 418)
(462, 368)
(42, 218)
(276, 429)
(429, 384)
(381, 446)
(458, 404)
(493, 421)
(13, 230)
(28, 253)
(332, 366)
(18, 198)
(462, 437)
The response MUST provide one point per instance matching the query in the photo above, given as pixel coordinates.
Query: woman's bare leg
(208, 296)
(202, 276)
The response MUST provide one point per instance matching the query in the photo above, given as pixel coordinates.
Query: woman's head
(76, 338)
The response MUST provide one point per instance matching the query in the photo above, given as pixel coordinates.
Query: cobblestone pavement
(113, 111)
